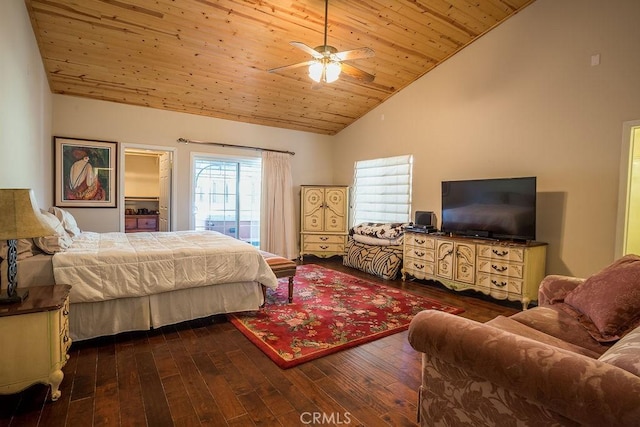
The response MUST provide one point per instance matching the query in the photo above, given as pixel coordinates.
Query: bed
(138, 281)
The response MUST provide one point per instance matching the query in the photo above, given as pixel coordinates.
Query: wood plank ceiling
(210, 57)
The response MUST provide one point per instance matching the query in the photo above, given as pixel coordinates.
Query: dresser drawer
(324, 239)
(500, 283)
(130, 223)
(419, 253)
(418, 240)
(65, 339)
(509, 269)
(418, 268)
(323, 247)
(63, 313)
(505, 253)
(147, 223)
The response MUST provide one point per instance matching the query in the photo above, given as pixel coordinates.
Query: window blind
(382, 190)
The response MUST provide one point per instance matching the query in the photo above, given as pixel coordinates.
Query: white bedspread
(104, 266)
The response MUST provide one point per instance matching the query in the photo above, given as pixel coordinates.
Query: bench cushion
(281, 267)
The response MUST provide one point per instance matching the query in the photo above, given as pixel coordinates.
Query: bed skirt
(381, 261)
(94, 319)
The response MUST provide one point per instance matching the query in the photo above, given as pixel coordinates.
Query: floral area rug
(331, 311)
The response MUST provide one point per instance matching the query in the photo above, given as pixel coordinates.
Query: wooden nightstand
(35, 340)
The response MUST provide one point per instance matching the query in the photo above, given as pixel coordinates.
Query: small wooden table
(35, 340)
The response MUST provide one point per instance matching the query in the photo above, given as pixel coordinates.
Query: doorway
(226, 196)
(628, 236)
(148, 185)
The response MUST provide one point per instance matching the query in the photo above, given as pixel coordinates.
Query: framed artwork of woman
(85, 173)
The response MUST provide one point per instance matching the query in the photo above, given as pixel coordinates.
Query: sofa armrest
(554, 288)
(575, 386)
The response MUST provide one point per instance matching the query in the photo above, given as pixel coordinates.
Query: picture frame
(85, 173)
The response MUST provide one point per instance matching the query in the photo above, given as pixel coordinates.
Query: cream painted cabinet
(324, 216)
(35, 340)
(503, 270)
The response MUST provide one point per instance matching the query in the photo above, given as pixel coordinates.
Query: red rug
(331, 311)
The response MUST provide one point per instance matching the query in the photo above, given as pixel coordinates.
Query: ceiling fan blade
(311, 51)
(357, 73)
(363, 52)
(289, 67)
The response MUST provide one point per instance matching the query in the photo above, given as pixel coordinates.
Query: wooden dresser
(34, 337)
(324, 216)
(138, 223)
(503, 270)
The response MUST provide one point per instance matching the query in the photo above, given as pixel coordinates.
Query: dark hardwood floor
(206, 372)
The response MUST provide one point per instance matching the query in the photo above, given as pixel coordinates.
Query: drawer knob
(324, 238)
(323, 246)
(500, 253)
(499, 284)
(500, 269)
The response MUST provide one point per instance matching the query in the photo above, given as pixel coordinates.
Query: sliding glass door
(227, 196)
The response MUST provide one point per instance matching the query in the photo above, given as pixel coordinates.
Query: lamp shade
(315, 71)
(20, 215)
(332, 71)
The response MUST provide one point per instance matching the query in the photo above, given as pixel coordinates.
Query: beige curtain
(279, 231)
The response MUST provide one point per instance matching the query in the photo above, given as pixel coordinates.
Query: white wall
(25, 107)
(524, 100)
(84, 118)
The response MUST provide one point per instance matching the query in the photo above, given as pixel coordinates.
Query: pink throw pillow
(610, 299)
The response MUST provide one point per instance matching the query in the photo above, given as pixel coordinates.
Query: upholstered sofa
(572, 360)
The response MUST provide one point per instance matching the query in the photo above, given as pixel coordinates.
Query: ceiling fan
(327, 63)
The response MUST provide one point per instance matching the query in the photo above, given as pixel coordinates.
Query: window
(227, 196)
(382, 190)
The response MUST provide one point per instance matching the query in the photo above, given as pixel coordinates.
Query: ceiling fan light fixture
(315, 71)
(326, 65)
(325, 71)
(332, 71)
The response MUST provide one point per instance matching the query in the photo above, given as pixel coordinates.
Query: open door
(147, 175)
(164, 200)
(628, 224)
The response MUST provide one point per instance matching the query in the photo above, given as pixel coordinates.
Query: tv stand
(502, 269)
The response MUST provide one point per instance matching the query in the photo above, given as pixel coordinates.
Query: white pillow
(68, 221)
(58, 242)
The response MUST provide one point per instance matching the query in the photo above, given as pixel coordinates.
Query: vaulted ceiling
(210, 57)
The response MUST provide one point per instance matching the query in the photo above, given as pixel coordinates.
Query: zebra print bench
(381, 261)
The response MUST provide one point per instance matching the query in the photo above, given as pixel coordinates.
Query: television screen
(503, 208)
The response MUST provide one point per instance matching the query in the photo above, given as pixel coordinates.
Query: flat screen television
(502, 208)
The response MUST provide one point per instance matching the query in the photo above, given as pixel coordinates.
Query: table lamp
(19, 219)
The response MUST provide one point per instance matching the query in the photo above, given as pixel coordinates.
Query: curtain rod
(245, 147)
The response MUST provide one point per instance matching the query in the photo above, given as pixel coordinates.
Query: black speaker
(425, 219)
